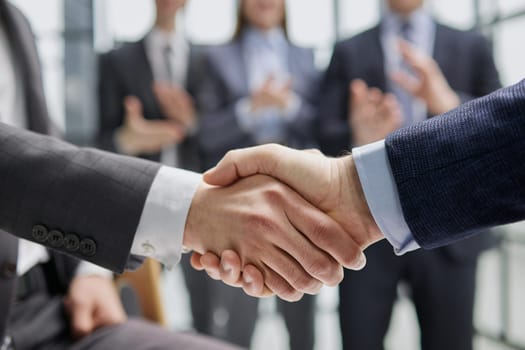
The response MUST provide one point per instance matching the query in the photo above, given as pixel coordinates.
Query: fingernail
(226, 268)
(361, 263)
(247, 279)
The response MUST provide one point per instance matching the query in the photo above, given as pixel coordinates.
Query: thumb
(243, 163)
(82, 322)
(358, 91)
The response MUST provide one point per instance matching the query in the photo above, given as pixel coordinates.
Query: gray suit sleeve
(82, 202)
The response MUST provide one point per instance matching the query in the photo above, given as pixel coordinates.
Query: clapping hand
(139, 135)
(373, 114)
(429, 84)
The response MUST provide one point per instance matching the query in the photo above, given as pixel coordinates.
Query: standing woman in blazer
(259, 88)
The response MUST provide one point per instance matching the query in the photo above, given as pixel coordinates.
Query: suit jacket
(127, 71)
(226, 82)
(465, 59)
(463, 171)
(46, 182)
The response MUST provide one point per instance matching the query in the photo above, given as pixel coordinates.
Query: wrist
(190, 239)
(353, 191)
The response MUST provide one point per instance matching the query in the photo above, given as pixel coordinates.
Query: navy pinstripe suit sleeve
(464, 170)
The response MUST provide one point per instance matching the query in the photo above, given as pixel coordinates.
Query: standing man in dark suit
(146, 91)
(49, 300)
(415, 68)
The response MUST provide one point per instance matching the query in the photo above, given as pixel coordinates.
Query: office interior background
(70, 34)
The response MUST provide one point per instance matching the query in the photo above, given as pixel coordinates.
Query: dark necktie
(405, 99)
(167, 55)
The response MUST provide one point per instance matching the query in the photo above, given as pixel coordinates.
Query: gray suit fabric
(83, 192)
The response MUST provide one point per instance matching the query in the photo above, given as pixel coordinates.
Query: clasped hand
(273, 220)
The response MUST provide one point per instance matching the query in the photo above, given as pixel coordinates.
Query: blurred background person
(49, 300)
(416, 68)
(146, 91)
(259, 88)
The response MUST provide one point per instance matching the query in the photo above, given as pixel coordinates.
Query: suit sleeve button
(88, 247)
(39, 233)
(71, 242)
(55, 239)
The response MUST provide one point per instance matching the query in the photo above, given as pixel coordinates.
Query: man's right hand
(332, 185)
(296, 246)
(141, 136)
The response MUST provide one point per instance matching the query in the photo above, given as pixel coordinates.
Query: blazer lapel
(374, 61)
(144, 77)
(442, 50)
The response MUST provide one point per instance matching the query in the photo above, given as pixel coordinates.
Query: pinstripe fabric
(90, 193)
(463, 171)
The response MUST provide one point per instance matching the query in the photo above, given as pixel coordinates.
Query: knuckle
(324, 268)
(258, 223)
(273, 147)
(275, 191)
(321, 233)
(230, 155)
(303, 282)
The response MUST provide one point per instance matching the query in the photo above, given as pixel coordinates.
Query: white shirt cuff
(160, 231)
(375, 174)
(88, 269)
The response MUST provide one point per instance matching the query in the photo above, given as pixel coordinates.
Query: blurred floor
(403, 335)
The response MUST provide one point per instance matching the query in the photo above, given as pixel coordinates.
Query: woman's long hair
(242, 22)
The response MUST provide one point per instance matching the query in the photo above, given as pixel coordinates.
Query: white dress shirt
(156, 43)
(13, 112)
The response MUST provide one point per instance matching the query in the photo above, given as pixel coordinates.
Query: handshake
(273, 220)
